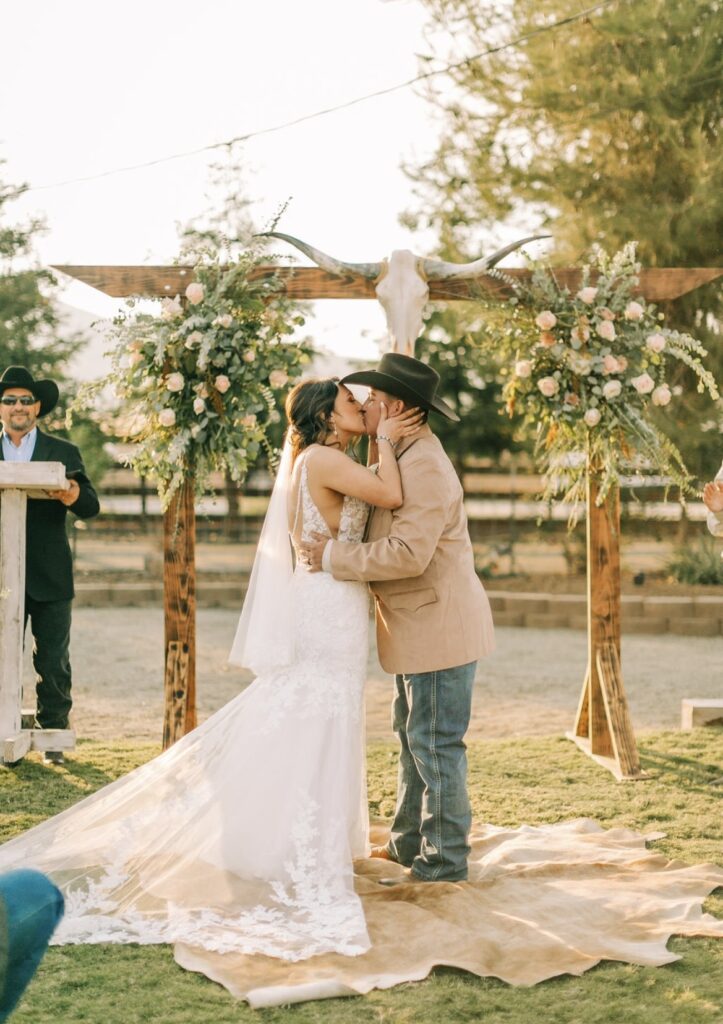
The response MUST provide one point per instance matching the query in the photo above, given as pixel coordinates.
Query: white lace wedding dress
(240, 838)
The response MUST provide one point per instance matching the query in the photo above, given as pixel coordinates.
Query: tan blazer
(431, 609)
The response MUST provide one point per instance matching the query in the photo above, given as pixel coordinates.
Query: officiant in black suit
(48, 563)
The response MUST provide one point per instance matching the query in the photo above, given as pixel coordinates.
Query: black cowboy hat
(406, 378)
(46, 391)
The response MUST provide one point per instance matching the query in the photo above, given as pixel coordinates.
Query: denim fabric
(32, 908)
(430, 714)
(50, 626)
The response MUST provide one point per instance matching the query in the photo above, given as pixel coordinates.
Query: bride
(240, 838)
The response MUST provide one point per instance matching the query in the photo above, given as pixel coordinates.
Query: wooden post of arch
(602, 728)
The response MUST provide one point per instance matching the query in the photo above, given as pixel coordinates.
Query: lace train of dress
(241, 837)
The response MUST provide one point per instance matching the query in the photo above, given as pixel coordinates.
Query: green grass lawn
(511, 782)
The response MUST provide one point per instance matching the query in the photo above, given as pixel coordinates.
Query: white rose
(249, 356)
(643, 384)
(175, 382)
(523, 368)
(277, 378)
(546, 320)
(135, 358)
(661, 395)
(199, 406)
(606, 330)
(222, 384)
(611, 364)
(655, 342)
(249, 421)
(170, 308)
(612, 389)
(225, 320)
(193, 339)
(548, 386)
(166, 417)
(195, 293)
(592, 417)
(581, 365)
(634, 311)
(587, 295)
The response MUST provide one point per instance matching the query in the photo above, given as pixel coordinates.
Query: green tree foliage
(29, 327)
(605, 129)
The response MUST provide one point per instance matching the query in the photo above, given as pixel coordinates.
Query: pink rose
(605, 313)
(199, 406)
(166, 417)
(547, 340)
(582, 365)
(135, 358)
(201, 390)
(571, 399)
(222, 384)
(135, 346)
(606, 330)
(622, 363)
(634, 311)
(175, 382)
(643, 384)
(661, 395)
(612, 389)
(278, 378)
(225, 320)
(587, 295)
(592, 417)
(611, 364)
(249, 356)
(580, 333)
(655, 342)
(195, 293)
(548, 386)
(523, 368)
(546, 320)
(249, 421)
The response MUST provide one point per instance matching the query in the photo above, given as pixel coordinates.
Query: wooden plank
(618, 715)
(52, 739)
(12, 611)
(27, 475)
(15, 747)
(179, 591)
(656, 283)
(176, 693)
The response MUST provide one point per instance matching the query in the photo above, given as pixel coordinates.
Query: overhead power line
(425, 76)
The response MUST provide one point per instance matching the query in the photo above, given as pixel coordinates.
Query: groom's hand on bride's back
(312, 552)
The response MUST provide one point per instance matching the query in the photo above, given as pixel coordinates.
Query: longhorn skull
(401, 282)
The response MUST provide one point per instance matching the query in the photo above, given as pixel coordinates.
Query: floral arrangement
(587, 369)
(199, 383)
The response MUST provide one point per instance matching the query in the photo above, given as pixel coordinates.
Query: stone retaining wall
(687, 616)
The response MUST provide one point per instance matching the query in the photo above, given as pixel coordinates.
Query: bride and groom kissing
(241, 838)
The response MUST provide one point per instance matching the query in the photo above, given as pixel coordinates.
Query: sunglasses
(18, 400)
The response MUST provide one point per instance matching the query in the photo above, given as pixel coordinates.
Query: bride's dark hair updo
(308, 407)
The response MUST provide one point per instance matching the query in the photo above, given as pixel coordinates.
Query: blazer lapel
(41, 447)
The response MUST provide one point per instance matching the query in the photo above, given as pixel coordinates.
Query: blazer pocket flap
(411, 600)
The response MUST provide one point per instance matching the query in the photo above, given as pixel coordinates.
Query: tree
(603, 130)
(29, 328)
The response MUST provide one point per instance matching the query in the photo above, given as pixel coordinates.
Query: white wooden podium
(18, 482)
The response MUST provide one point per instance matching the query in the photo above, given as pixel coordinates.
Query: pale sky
(86, 87)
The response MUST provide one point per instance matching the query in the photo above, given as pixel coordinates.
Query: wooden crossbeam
(656, 284)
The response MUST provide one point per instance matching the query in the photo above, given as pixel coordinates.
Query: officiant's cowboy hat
(406, 378)
(46, 391)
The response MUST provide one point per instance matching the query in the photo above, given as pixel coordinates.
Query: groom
(433, 622)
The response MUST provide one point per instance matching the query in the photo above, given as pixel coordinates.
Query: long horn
(334, 266)
(439, 270)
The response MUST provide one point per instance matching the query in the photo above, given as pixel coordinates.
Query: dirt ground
(528, 687)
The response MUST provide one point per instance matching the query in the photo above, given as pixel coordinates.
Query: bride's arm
(383, 488)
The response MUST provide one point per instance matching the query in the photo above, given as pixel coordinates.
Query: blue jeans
(430, 715)
(30, 909)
